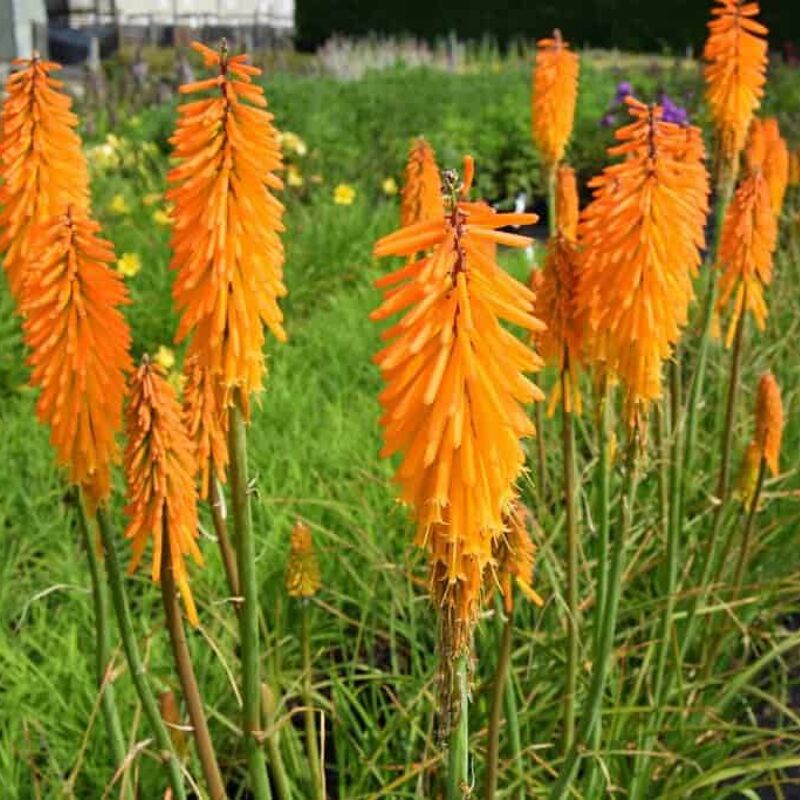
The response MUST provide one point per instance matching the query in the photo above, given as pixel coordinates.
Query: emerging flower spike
(515, 557)
(641, 239)
(556, 289)
(736, 60)
(42, 167)
(226, 249)
(769, 421)
(160, 468)
(205, 416)
(555, 94)
(421, 198)
(747, 244)
(302, 569)
(748, 474)
(454, 392)
(79, 342)
(776, 163)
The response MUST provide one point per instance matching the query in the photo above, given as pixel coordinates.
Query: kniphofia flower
(421, 198)
(205, 416)
(226, 246)
(747, 244)
(454, 395)
(302, 569)
(159, 469)
(641, 239)
(42, 168)
(736, 60)
(769, 421)
(556, 289)
(78, 341)
(747, 478)
(776, 163)
(515, 557)
(555, 93)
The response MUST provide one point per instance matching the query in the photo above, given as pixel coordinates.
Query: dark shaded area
(627, 24)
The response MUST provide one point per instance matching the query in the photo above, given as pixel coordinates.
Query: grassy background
(313, 447)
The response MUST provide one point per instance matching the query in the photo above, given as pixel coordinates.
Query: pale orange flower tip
(769, 421)
(42, 167)
(555, 94)
(567, 208)
(747, 479)
(302, 569)
(227, 249)
(421, 197)
(78, 341)
(159, 470)
(455, 389)
(776, 163)
(736, 60)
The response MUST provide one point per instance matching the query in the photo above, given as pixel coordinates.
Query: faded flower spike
(159, 469)
(302, 569)
(515, 557)
(78, 341)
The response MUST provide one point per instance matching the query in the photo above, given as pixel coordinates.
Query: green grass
(314, 446)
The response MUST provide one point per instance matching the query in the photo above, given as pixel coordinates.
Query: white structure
(276, 14)
(17, 21)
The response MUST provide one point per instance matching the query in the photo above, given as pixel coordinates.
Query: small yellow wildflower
(344, 194)
(151, 198)
(292, 143)
(162, 217)
(165, 358)
(293, 176)
(128, 265)
(119, 205)
(389, 186)
(102, 157)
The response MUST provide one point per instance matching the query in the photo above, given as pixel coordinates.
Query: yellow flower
(293, 176)
(128, 265)
(165, 358)
(119, 205)
(161, 217)
(389, 186)
(344, 194)
(102, 156)
(151, 198)
(292, 143)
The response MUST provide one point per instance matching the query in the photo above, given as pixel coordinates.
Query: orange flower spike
(227, 251)
(454, 389)
(769, 421)
(556, 291)
(78, 341)
(515, 556)
(42, 167)
(555, 94)
(747, 244)
(641, 238)
(421, 197)
(205, 416)
(159, 469)
(302, 569)
(736, 60)
(776, 163)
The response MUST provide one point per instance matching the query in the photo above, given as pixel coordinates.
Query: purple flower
(672, 111)
(624, 89)
(608, 120)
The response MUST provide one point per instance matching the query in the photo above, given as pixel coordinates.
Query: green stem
(498, 692)
(552, 220)
(514, 737)
(591, 714)
(570, 498)
(216, 502)
(277, 767)
(102, 655)
(458, 786)
(248, 618)
(603, 479)
(136, 666)
(312, 742)
(744, 551)
(541, 456)
(188, 681)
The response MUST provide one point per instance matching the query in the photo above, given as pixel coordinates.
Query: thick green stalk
(248, 618)
(571, 504)
(102, 654)
(312, 743)
(498, 692)
(186, 676)
(591, 713)
(744, 550)
(603, 488)
(216, 502)
(458, 786)
(514, 737)
(273, 741)
(136, 666)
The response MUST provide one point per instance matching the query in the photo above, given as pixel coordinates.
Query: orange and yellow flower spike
(776, 163)
(736, 60)
(769, 421)
(555, 94)
(42, 167)
(641, 238)
(455, 389)
(421, 197)
(79, 342)
(159, 469)
(227, 251)
(515, 558)
(302, 569)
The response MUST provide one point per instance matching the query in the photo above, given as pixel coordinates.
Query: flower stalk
(458, 784)
(309, 716)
